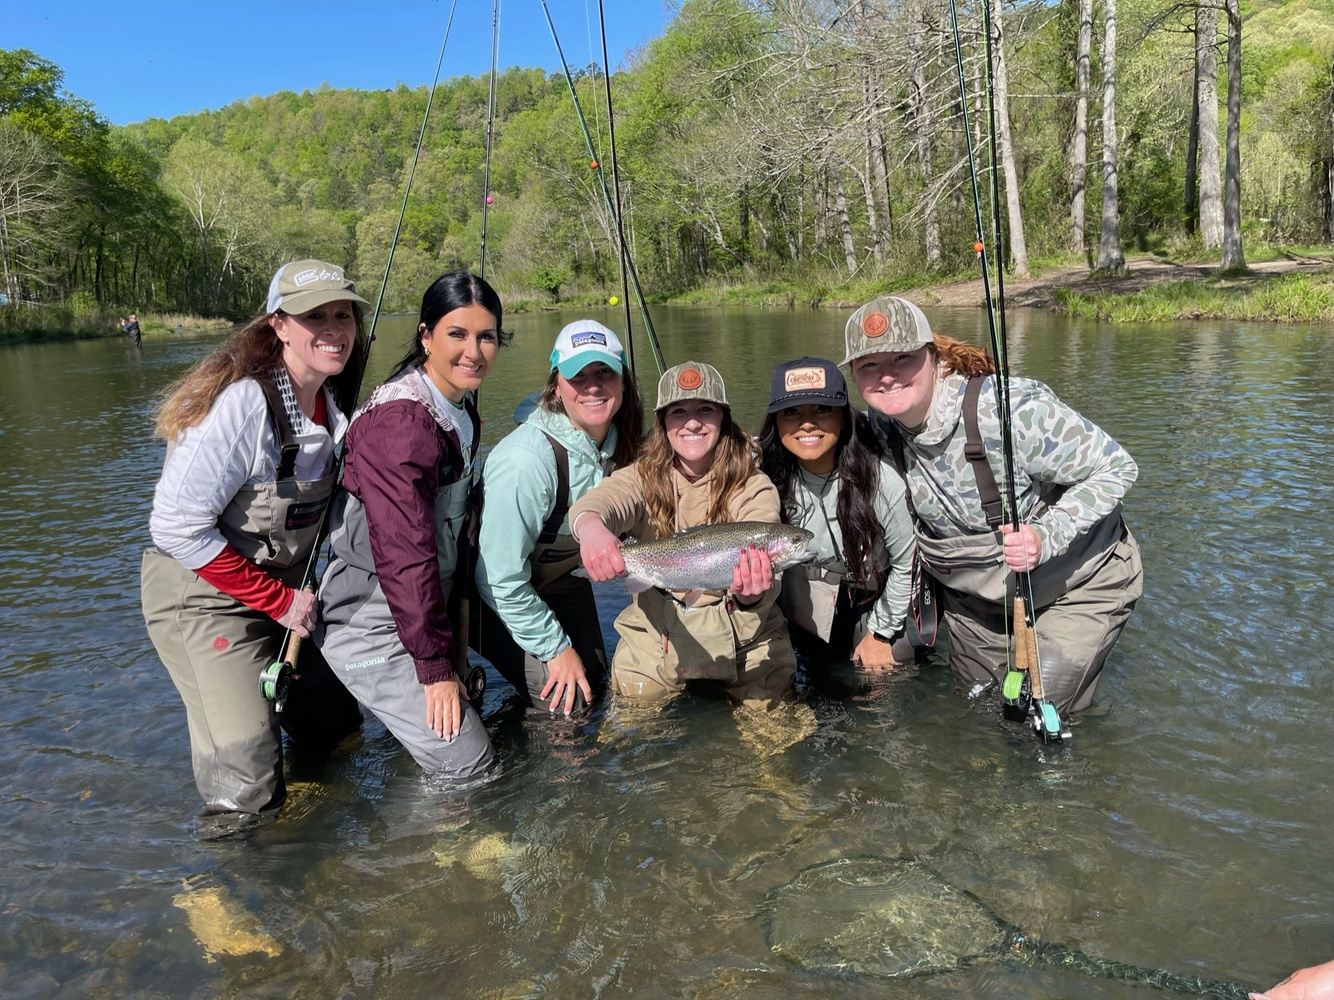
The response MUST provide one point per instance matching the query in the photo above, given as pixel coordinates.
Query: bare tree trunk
(1110, 257)
(920, 109)
(1233, 259)
(1193, 139)
(1325, 175)
(1206, 93)
(844, 224)
(1079, 141)
(1018, 247)
(872, 223)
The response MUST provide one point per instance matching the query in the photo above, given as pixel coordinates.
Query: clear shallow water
(1185, 827)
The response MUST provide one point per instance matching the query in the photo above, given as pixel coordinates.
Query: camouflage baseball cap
(887, 323)
(301, 285)
(692, 380)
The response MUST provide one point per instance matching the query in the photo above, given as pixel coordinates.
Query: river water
(1185, 827)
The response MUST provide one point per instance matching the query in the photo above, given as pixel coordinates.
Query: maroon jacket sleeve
(397, 459)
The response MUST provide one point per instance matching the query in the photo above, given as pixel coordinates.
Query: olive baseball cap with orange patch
(885, 324)
(691, 380)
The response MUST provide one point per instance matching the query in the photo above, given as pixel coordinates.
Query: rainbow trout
(703, 558)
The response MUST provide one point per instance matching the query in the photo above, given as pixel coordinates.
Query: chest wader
(214, 647)
(357, 633)
(666, 644)
(826, 617)
(1081, 598)
(569, 597)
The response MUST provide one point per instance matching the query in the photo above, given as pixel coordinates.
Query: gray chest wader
(214, 647)
(1081, 598)
(357, 633)
(570, 598)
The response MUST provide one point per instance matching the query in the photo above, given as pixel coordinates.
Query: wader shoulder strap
(282, 428)
(976, 453)
(551, 527)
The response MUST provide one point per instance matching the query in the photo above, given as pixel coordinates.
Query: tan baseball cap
(887, 323)
(301, 285)
(691, 380)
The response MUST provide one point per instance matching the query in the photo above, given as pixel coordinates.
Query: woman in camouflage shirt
(1070, 477)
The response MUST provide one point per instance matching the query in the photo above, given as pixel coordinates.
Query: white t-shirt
(232, 447)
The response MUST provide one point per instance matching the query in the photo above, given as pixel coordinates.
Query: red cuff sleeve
(236, 576)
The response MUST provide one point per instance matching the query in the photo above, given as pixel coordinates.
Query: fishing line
(616, 187)
(273, 680)
(596, 166)
(490, 129)
(1026, 667)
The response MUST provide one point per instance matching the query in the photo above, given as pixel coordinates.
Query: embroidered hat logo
(689, 378)
(803, 379)
(588, 337)
(875, 324)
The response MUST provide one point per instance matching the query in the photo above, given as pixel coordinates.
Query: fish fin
(691, 596)
(634, 585)
(580, 572)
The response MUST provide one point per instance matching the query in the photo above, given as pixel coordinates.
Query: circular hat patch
(689, 378)
(875, 324)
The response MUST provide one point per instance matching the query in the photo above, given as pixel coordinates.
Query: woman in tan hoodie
(698, 467)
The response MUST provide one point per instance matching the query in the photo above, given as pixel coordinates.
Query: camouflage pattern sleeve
(1054, 444)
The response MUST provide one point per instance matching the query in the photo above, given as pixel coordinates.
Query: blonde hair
(252, 352)
(733, 464)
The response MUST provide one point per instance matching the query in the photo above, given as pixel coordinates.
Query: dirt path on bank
(1038, 293)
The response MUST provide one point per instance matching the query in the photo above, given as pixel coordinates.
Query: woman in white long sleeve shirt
(251, 432)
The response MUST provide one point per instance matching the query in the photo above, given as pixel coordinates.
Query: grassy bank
(1287, 298)
(29, 324)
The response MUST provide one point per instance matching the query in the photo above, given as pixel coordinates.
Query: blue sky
(135, 60)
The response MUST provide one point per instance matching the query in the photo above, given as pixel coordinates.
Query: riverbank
(29, 324)
(1288, 288)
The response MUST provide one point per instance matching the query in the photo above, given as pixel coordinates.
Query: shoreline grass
(1286, 298)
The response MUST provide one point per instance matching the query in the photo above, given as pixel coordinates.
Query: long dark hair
(629, 419)
(858, 464)
(452, 290)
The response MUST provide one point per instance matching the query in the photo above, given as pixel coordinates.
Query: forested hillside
(815, 144)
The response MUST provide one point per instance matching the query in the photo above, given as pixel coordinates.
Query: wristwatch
(889, 639)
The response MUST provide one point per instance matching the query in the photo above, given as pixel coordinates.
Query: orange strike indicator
(977, 247)
(592, 164)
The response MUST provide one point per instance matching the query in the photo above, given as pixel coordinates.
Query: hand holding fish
(599, 549)
(754, 574)
(566, 678)
(1023, 548)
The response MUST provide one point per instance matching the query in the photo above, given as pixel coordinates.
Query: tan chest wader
(1082, 599)
(214, 647)
(357, 633)
(665, 644)
(569, 597)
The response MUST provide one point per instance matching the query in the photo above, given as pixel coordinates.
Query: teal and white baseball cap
(584, 342)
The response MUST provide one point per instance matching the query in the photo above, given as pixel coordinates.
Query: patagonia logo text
(590, 337)
(803, 379)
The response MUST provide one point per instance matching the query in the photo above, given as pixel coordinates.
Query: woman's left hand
(1023, 548)
(444, 707)
(754, 574)
(874, 654)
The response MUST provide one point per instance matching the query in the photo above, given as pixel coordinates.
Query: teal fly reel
(274, 680)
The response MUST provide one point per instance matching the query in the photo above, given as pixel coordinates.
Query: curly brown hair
(960, 358)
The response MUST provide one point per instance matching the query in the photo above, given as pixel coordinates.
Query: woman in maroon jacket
(384, 600)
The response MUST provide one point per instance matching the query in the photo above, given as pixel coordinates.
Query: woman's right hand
(300, 614)
(599, 550)
(444, 707)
